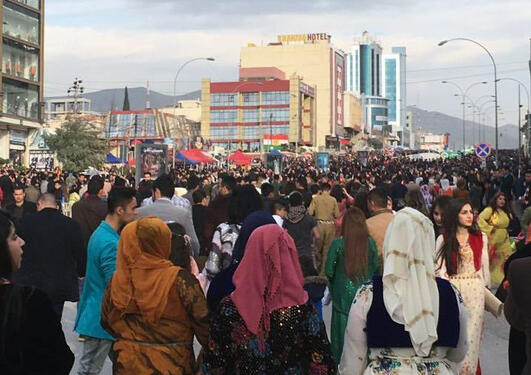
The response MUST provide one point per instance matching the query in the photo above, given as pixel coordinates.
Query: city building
(60, 107)
(409, 131)
(432, 142)
(124, 129)
(262, 110)
(353, 115)
(394, 89)
(363, 67)
(314, 58)
(21, 77)
(191, 109)
(375, 114)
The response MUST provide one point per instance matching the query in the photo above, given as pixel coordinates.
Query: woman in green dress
(352, 260)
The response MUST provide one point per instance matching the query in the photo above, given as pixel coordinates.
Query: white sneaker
(327, 298)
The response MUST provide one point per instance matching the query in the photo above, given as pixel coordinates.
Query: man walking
(101, 264)
(52, 254)
(20, 207)
(162, 207)
(325, 209)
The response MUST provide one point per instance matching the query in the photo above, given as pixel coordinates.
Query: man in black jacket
(20, 207)
(52, 253)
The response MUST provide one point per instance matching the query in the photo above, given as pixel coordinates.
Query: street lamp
(175, 91)
(442, 43)
(520, 84)
(463, 95)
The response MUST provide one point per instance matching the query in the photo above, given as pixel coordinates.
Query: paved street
(493, 354)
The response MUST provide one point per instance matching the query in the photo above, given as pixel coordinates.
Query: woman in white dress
(406, 321)
(463, 259)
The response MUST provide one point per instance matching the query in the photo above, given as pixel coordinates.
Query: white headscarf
(445, 184)
(410, 291)
(418, 180)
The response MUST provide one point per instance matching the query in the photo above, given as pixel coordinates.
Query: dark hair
(378, 196)
(277, 205)
(229, 182)
(198, 196)
(165, 185)
(119, 181)
(119, 197)
(414, 199)
(442, 202)
(267, 189)
(193, 182)
(147, 173)
(507, 208)
(337, 192)
(6, 266)
(325, 186)
(450, 247)
(295, 199)
(314, 189)
(244, 201)
(302, 181)
(18, 187)
(355, 237)
(95, 184)
(361, 201)
(180, 251)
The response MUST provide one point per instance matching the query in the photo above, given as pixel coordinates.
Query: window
(223, 100)
(275, 97)
(20, 99)
(21, 23)
(390, 87)
(19, 60)
(223, 132)
(224, 115)
(251, 132)
(250, 98)
(275, 114)
(31, 3)
(250, 115)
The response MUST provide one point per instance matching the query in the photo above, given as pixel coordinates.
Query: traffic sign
(483, 150)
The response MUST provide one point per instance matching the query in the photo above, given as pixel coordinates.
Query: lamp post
(495, 84)
(463, 95)
(520, 84)
(175, 93)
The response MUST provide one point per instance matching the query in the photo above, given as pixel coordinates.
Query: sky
(117, 43)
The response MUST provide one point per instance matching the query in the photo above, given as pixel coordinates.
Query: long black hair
(244, 201)
(450, 248)
(180, 250)
(13, 297)
(442, 203)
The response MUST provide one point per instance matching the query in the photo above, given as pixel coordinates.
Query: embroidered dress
(358, 359)
(471, 284)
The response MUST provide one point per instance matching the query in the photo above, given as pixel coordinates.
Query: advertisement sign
(363, 156)
(151, 158)
(17, 137)
(305, 38)
(41, 160)
(322, 160)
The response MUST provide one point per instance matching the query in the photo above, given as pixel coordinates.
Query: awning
(113, 159)
(240, 158)
(180, 156)
(195, 155)
(132, 162)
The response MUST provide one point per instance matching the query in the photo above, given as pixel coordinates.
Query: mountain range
(428, 121)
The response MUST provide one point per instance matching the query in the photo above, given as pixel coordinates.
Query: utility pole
(77, 91)
(270, 131)
(519, 130)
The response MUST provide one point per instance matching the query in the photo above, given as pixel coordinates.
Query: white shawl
(410, 291)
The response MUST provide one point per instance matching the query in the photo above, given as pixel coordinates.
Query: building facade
(363, 67)
(260, 112)
(375, 113)
(61, 107)
(394, 89)
(21, 77)
(322, 66)
(353, 115)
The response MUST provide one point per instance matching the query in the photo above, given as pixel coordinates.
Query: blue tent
(182, 157)
(113, 159)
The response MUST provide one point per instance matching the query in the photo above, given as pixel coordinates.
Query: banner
(152, 159)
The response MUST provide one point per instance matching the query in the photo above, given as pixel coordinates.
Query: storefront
(17, 146)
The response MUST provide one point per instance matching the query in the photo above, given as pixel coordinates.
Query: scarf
(269, 278)
(221, 286)
(144, 275)
(296, 214)
(410, 291)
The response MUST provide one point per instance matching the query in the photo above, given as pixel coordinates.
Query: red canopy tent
(240, 158)
(131, 162)
(198, 156)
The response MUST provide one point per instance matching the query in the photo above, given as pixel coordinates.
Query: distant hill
(104, 100)
(439, 123)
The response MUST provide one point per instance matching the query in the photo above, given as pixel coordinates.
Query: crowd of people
(408, 253)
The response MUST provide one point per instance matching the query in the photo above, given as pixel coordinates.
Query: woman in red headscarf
(267, 326)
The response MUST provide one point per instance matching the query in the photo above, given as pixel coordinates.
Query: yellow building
(353, 115)
(314, 58)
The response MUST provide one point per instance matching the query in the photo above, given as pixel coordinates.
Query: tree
(78, 145)
(375, 143)
(126, 105)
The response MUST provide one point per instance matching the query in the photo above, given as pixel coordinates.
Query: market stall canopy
(195, 155)
(113, 159)
(132, 162)
(240, 158)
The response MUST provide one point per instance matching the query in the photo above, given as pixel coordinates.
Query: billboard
(151, 158)
(322, 160)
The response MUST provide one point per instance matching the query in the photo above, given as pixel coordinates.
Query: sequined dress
(471, 284)
(296, 344)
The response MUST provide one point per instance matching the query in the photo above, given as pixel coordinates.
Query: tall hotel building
(319, 64)
(21, 88)
(394, 89)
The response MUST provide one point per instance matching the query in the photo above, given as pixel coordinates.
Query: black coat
(52, 259)
(27, 208)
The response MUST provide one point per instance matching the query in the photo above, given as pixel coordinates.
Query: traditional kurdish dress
(471, 279)
(499, 241)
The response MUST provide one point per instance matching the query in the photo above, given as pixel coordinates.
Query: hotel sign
(306, 38)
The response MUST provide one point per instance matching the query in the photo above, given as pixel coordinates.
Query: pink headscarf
(268, 278)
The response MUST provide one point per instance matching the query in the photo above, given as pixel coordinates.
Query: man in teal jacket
(101, 264)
